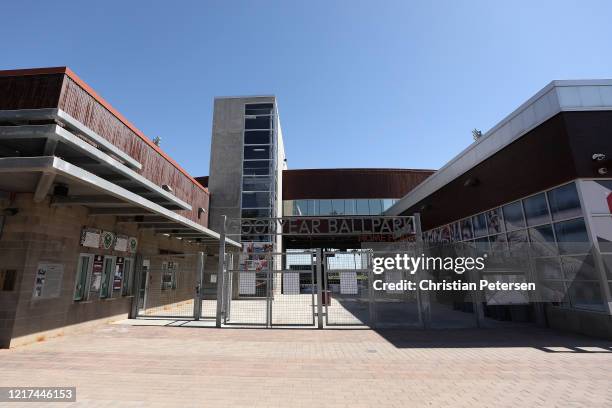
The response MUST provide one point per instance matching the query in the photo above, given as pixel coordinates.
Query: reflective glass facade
(353, 206)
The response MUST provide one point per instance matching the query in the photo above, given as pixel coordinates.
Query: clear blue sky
(359, 84)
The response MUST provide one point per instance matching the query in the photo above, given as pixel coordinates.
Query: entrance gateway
(322, 276)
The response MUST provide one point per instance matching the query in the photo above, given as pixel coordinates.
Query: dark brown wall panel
(82, 106)
(350, 183)
(30, 92)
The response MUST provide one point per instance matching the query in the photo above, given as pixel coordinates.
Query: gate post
(371, 299)
(197, 298)
(319, 289)
(220, 271)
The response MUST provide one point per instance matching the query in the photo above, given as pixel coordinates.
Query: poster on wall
(48, 280)
(107, 240)
(121, 243)
(96, 274)
(90, 237)
(118, 275)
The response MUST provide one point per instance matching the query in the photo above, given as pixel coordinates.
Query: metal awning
(102, 197)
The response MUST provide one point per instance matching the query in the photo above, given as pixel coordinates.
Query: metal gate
(171, 286)
(270, 289)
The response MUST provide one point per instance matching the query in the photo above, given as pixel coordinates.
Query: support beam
(98, 201)
(119, 211)
(42, 188)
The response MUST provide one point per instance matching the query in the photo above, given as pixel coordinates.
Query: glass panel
(445, 234)
(498, 242)
(543, 240)
(607, 260)
(480, 225)
(259, 213)
(256, 168)
(572, 236)
(494, 221)
(363, 208)
(553, 292)
(564, 202)
(387, 203)
(517, 242)
(259, 122)
(513, 216)
(482, 244)
(350, 207)
(300, 207)
(581, 267)
(256, 152)
(375, 206)
(82, 278)
(258, 108)
(337, 207)
(466, 229)
(586, 295)
(536, 210)
(127, 277)
(255, 184)
(255, 200)
(257, 137)
(456, 232)
(548, 269)
(325, 207)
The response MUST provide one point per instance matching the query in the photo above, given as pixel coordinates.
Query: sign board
(90, 237)
(96, 274)
(48, 280)
(121, 243)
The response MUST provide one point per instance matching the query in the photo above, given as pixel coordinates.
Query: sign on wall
(121, 243)
(107, 240)
(96, 274)
(90, 238)
(48, 280)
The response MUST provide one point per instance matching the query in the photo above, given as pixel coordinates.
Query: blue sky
(359, 84)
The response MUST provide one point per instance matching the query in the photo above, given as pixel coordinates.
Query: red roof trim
(67, 71)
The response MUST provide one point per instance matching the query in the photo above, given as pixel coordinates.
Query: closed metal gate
(270, 289)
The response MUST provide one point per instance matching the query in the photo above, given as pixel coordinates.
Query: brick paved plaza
(149, 365)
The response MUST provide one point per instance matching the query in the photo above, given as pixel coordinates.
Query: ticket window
(108, 273)
(83, 275)
(128, 272)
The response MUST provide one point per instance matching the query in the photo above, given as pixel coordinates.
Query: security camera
(599, 157)
(602, 170)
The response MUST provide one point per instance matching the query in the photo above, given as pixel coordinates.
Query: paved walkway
(149, 366)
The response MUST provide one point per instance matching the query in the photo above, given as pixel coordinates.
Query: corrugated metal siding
(83, 107)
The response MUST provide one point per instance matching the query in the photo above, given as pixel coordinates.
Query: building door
(144, 284)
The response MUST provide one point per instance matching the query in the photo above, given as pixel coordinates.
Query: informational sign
(118, 275)
(348, 283)
(96, 274)
(90, 238)
(121, 243)
(291, 283)
(107, 240)
(247, 283)
(48, 280)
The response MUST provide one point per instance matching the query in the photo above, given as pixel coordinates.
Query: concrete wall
(39, 232)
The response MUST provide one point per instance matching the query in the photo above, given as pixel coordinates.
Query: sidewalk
(145, 366)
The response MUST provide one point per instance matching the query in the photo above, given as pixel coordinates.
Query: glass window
(553, 292)
(494, 221)
(517, 242)
(536, 210)
(445, 234)
(586, 295)
(300, 207)
(480, 225)
(543, 240)
(258, 213)
(256, 168)
(325, 207)
(482, 244)
(581, 267)
(572, 236)
(375, 207)
(256, 152)
(466, 229)
(498, 242)
(350, 207)
(363, 207)
(337, 207)
(548, 269)
(107, 276)
(82, 274)
(258, 122)
(455, 231)
(607, 260)
(255, 184)
(256, 200)
(258, 108)
(257, 137)
(564, 202)
(513, 216)
(387, 203)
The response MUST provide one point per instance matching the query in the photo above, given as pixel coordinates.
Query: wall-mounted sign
(48, 280)
(118, 276)
(96, 274)
(121, 243)
(90, 237)
(132, 244)
(107, 240)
